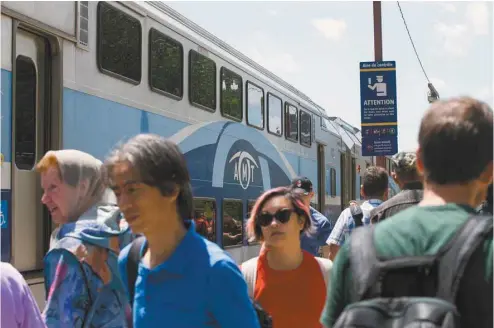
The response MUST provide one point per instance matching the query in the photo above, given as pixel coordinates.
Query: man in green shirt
(455, 157)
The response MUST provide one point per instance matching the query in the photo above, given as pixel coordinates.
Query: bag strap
(325, 265)
(357, 214)
(249, 271)
(363, 261)
(457, 254)
(133, 266)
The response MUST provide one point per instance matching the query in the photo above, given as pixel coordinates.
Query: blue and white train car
(88, 75)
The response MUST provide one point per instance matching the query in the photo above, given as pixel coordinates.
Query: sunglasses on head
(282, 216)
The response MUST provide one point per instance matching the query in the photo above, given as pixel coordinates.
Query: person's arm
(324, 233)
(68, 298)
(230, 303)
(338, 294)
(337, 236)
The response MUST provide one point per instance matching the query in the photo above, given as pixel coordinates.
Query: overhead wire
(413, 44)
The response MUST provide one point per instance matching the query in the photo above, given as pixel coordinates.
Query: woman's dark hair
(295, 196)
(160, 164)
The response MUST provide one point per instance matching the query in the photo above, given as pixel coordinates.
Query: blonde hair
(48, 160)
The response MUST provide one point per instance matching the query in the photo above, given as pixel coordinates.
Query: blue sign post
(378, 108)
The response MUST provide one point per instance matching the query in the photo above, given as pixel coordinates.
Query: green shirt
(415, 231)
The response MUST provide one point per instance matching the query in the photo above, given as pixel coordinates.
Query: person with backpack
(374, 190)
(410, 182)
(83, 287)
(288, 282)
(174, 277)
(431, 264)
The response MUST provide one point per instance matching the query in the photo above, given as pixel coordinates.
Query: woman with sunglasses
(288, 282)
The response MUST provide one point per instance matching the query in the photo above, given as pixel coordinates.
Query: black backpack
(133, 266)
(357, 214)
(406, 291)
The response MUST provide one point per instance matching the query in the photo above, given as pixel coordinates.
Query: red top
(294, 298)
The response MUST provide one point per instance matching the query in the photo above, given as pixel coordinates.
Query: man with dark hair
(455, 158)
(321, 225)
(374, 190)
(407, 178)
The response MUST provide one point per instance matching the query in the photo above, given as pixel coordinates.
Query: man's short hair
(375, 181)
(455, 140)
(404, 166)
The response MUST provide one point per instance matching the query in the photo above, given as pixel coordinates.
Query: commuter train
(88, 75)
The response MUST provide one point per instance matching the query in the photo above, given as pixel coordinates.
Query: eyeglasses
(282, 216)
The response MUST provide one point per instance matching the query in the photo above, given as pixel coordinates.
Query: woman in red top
(288, 282)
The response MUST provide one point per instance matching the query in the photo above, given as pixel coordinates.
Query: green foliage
(231, 94)
(166, 64)
(120, 42)
(202, 80)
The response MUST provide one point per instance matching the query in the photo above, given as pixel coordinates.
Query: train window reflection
(119, 43)
(291, 122)
(231, 94)
(255, 106)
(305, 129)
(274, 114)
(165, 64)
(202, 81)
(333, 182)
(205, 218)
(232, 223)
(25, 113)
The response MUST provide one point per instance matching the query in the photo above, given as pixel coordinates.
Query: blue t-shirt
(199, 285)
(322, 230)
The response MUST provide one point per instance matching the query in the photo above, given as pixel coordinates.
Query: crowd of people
(126, 252)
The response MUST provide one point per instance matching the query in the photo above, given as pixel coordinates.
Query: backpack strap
(325, 265)
(363, 261)
(357, 214)
(457, 253)
(249, 271)
(133, 266)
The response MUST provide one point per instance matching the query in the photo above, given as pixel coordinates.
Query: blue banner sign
(378, 108)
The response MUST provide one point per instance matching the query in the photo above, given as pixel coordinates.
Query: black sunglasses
(282, 216)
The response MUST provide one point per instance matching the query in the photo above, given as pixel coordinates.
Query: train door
(321, 179)
(31, 100)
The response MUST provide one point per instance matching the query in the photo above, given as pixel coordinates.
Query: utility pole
(378, 55)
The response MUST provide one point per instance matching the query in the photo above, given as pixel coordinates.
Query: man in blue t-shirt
(321, 225)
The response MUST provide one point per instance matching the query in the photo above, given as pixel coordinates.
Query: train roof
(212, 43)
(165, 14)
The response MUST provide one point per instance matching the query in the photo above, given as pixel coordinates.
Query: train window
(274, 115)
(202, 81)
(205, 218)
(166, 64)
(255, 105)
(333, 182)
(25, 113)
(119, 43)
(231, 95)
(291, 122)
(232, 223)
(327, 184)
(305, 129)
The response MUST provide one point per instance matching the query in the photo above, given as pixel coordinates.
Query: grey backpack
(410, 292)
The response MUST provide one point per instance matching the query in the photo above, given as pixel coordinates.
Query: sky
(317, 47)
